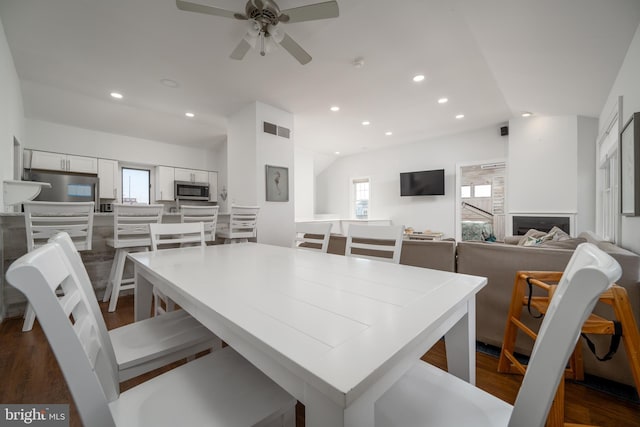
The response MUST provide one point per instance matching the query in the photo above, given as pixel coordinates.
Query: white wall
(542, 161)
(305, 184)
(11, 112)
(552, 167)
(276, 223)
(241, 157)
(249, 150)
(60, 138)
(587, 172)
(383, 167)
(627, 85)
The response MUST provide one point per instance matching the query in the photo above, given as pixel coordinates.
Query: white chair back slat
(385, 241)
(173, 235)
(205, 214)
(590, 272)
(70, 301)
(131, 223)
(44, 220)
(74, 339)
(176, 234)
(90, 369)
(312, 236)
(410, 401)
(243, 222)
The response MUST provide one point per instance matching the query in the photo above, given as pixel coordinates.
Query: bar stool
(130, 234)
(242, 224)
(205, 214)
(44, 220)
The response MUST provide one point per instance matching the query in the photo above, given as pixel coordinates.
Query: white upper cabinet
(191, 175)
(63, 162)
(109, 177)
(213, 186)
(165, 177)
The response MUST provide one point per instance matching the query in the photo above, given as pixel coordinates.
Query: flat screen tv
(423, 183)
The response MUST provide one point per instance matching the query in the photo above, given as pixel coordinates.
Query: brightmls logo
(38, 415)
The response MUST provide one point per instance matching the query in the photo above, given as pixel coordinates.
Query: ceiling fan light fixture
(116, 95)
(418, 78)
(335, 108)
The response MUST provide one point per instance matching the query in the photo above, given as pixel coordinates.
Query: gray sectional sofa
(499, 263)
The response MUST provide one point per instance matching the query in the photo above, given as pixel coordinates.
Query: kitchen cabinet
(109, 178)
(63, 162)
(165, 177)
(213, 186)
(191, 175)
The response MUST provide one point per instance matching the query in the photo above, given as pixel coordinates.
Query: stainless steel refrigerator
(66, 187)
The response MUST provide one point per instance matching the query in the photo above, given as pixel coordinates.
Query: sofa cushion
(564, 244)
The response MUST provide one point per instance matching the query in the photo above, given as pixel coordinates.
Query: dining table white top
(331, 323)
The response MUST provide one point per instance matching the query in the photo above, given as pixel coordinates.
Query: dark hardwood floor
(29, 373)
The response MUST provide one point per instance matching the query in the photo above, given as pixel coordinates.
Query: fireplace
(522, 224)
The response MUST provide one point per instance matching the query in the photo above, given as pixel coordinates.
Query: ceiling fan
(264, 18)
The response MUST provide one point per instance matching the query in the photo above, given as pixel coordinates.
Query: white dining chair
(205, 214)
(173, 235)
(380, 242)
(221, 388)
(143, 346)
(428, 396)
(242, 226)
(312, 236)
(130, 233)
(44, 219)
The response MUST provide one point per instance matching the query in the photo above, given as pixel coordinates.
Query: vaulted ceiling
(492, 59)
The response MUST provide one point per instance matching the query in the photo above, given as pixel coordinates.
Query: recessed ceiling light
(526, 114)
(170, 83)
(418, 78)
(460, 116)
(190, 115)
(337, 153)
(335, 108)
(366, 123)
(443, 100)
(116, 95)
(388, 133)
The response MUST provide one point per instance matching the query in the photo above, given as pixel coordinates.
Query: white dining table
(334, 331)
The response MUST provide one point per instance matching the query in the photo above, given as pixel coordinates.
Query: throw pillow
(533, 234)
(557, 234)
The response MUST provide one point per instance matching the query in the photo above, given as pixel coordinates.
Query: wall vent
(276, 130)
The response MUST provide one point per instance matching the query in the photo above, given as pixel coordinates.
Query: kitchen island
(97, 261)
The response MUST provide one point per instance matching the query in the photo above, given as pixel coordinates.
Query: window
(609, 189)
(483, 190)
(361, 198)
(136, 186)
(465, 191)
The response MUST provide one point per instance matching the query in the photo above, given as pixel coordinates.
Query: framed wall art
(630, 167)
(277, 183)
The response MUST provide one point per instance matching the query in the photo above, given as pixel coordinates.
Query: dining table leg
(460, 343)
(143, 294)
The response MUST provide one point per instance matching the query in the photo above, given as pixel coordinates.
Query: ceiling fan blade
(201, 8)
(324, 10)
(295, 50)
(241, 50)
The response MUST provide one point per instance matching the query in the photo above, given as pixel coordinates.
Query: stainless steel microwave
(185, 190)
